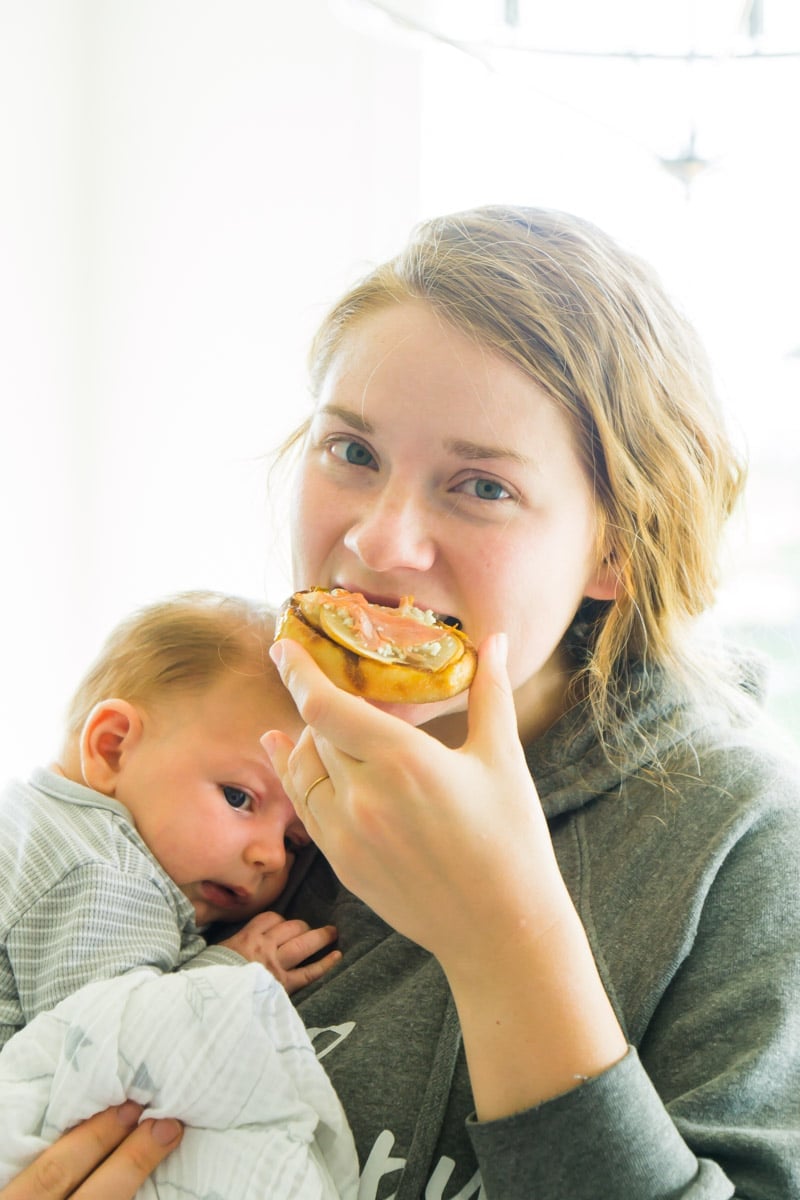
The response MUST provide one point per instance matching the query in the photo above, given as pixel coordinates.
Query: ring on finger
(311, 786)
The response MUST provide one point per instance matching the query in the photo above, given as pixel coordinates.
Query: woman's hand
(283, 946)
(420, 831)
(108, 1155)
(451, 847)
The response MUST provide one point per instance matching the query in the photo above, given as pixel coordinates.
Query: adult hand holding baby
(108, 1155)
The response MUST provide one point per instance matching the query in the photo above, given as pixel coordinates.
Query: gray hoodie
(684, 867)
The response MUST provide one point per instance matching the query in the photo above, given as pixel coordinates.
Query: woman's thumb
(491, 700)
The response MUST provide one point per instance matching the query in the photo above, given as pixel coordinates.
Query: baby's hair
(180, 644)
(591, 325)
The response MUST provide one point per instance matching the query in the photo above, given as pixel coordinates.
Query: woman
(568, 914)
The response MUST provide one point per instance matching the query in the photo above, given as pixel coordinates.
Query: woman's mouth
(394, 602)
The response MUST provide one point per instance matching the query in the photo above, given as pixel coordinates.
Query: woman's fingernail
(129, 1113)
(166, 1130)
(276, 653)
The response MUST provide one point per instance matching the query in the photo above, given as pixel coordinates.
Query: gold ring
(311, 787)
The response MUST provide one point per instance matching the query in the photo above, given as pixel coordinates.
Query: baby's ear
(111, 731)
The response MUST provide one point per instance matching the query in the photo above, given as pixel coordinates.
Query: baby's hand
(282, 946)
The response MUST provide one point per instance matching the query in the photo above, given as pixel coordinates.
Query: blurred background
(185, 185)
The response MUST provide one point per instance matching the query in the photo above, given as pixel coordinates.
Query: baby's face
(206, 800)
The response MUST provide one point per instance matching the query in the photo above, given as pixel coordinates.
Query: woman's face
(437, 469)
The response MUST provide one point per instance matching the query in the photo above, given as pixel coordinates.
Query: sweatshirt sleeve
(610, 1137)
(708, 1105)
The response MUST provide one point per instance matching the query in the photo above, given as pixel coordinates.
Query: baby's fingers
(300, 947)
(300, 977)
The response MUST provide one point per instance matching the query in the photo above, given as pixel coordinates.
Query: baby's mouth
(220, 895)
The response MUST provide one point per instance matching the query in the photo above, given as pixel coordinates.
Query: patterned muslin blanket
(219, 1047)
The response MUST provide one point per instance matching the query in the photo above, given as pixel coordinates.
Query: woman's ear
(110, 732)
(605, 583)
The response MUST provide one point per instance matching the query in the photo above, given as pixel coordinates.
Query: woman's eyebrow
(459, 447)
(475, 450)
(351, 418)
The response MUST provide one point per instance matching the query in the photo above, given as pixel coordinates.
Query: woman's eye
(237, 797)
(354, 453)
(484, 489)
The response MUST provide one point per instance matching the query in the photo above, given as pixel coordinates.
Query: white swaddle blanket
(221, 1048)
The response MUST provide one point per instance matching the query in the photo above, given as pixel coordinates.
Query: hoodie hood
(572, 766)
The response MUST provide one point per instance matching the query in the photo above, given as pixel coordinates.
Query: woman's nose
(392, 534)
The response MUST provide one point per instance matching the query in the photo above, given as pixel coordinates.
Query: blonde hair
(180, 644)
(592, 325)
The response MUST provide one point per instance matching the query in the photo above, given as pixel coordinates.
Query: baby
(161, 818)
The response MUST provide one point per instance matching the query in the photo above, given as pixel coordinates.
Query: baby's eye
(237, 797)
(484, 489)
(355, 453)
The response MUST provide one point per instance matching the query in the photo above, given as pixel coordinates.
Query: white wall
(184, 186)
